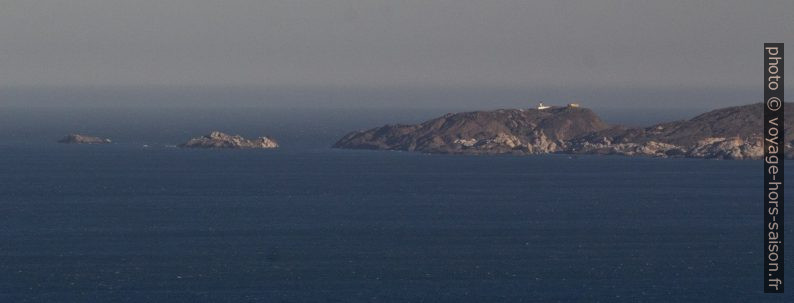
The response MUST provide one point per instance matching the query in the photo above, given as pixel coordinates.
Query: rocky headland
(218, 139)
(83, 139)
(728, 133)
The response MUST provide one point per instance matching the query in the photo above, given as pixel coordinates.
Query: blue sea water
(123, 223)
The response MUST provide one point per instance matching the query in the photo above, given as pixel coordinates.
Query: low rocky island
(218, 139)
(83, 139)
(729, 133)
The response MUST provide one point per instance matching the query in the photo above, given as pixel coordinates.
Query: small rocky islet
(214, 139)
(83, 139)
(218, 139)
(728, 133)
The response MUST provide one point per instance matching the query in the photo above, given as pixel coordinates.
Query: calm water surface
(122, 223)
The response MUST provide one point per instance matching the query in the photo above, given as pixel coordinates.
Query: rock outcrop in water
(517, 131)
(83, 139)
(729, 133)
(218, 139)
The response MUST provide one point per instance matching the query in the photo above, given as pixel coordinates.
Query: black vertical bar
(774, 143)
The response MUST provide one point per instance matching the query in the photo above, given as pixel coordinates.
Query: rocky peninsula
(83, 139)
(218, 139)
(728, 133)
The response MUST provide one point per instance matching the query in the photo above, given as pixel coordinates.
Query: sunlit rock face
(218, 139)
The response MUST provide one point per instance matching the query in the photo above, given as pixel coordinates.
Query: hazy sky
(389, 42)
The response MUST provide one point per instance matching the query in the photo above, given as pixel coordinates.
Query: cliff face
(218, 139)
(516, 131)
(82, 139)
(729, 133)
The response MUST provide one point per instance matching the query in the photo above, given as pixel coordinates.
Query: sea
(140, 220)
